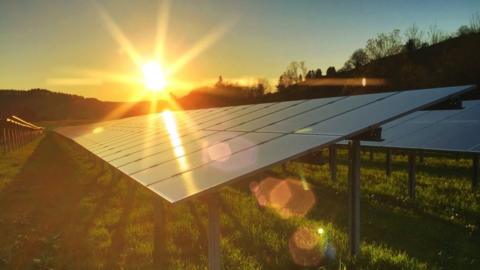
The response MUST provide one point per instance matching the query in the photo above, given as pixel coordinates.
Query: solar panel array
(448, 130)
(178, 154)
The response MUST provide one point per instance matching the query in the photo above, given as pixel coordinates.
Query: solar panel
(179, 154)
(448, 130)
(378, 111)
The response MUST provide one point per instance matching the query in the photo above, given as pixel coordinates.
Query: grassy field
(60, 210)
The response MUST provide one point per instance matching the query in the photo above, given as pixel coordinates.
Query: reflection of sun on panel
(175, 140)
(97, 130)
(289, 198)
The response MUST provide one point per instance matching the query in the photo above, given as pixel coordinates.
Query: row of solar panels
(449, 130)
(179, 154)
(455, 130)
(15, 121)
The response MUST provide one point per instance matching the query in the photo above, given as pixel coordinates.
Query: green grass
(11, 162)
(60, 210)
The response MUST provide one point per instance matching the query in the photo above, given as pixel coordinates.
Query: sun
(154, 76)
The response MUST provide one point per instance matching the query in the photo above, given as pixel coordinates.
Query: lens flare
(287, 197)
(306, 247)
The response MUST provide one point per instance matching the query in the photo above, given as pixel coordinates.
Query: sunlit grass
(12, 162)
(110, 225)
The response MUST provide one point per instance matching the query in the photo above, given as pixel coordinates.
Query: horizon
(228, 39)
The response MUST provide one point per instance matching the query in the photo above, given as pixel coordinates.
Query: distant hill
(44, 105)
(455, 61)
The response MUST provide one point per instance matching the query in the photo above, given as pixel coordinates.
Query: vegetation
(43, 105)
(410, 59)
(59, 209)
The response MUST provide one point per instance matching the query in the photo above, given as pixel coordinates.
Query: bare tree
(294, 73)
(435, 35)
(264, 83)
(414, 36)
(384, 44)
(475, 22)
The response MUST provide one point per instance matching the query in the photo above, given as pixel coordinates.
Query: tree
(435, 35)
(310, 75)
(464, 30)
(414, 38)
(475, 22)
(219, 83)
(331, 72)
(293, 74)
(411, 46)
(264, 84)
(318, 74)
(357, 59)
(281, 86)
(383, 45)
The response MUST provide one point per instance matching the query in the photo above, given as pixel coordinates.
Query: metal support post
(332, 154)
(411, 175)
(354, 197)
(388, 159)
(214, 260)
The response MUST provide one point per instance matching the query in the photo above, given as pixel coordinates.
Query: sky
(69, 46)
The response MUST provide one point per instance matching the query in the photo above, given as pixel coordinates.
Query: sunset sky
(68, 46)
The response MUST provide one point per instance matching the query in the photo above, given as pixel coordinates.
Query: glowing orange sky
(68, 46)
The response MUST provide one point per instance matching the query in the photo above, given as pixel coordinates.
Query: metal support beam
(5, 140)
(476, 171)
(354, 197)
(332, 155)
(411, 175)
(449, 104)
(388, 159)
(214, 260)
(13, 138)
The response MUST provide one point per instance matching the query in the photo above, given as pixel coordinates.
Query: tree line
(381, 46)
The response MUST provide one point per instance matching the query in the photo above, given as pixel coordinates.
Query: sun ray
(107, 76)
(118, 34)
(153, 78)
(200, 46)
(162, 28)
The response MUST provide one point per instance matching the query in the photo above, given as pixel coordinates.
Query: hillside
(455, 61)
(44, 105)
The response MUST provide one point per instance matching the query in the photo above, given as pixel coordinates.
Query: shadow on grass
(40, 197)
(44, 218)
(421, 236)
